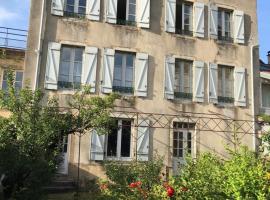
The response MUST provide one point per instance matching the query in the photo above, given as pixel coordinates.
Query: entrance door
(63, 166)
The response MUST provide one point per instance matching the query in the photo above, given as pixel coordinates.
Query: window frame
(183, 31)
(75, 12)
(223, 37)
(126, 21)
(224, 97)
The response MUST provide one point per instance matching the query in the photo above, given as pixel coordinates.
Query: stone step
(61, 184)
(59, 189)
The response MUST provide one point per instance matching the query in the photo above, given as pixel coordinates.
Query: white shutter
(97, 146)
(143, 140)
(111, 11)
(93, 10)
(143, 16)
(199, 19)
(213, 83)
(239, 26)
(170, 15)
(240, 86)
(141, 74)
(169, 77)
(57, 7)
(198, 94)
(90, 67)
(108, 70)
(52, 66)
(213, 21)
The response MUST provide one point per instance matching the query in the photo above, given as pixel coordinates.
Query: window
(18, 79)
(225, 84)
(224, 25)
(123, 72)
(70, 70)
(126, 12)
(183, 79)
(266, 95)
(119, 140)
(75, 8)
(184, 19)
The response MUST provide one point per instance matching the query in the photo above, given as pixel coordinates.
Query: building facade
(166, 57)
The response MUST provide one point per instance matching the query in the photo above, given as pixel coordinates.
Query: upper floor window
(75, 8)
(184, 18)
(225, 84)
(18, 79)
(225, 25)
(126, 12)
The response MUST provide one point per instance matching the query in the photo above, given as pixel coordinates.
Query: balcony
(11, 38)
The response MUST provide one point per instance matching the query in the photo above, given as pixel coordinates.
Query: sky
(15, 14)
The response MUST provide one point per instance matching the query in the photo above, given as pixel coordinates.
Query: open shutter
(90, 68)
(52, 66)
(93, 10)
(170, 15)
(169, 77)
(111, 11)
(239, 26)
(199, 19)
(108, 70)
(213, 21)
(141, 74)
(97, 146)
(213, 83)
(240, 86)
(198, 94)
(143, 140)
(143, 18)
(57, 7)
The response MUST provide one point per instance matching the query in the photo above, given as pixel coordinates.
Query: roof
(264, 67)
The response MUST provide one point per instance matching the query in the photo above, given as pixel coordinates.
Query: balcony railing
(13, 38)
(183, 95)
(225, 99)
(125, 22)
(126, 90)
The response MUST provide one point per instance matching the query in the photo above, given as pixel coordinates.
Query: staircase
(61, 184)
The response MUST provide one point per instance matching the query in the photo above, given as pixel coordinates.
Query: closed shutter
(143, 140)
(111, 11)
(198, 95)
(143, 17)
(240, 86)
(199, 19)
(239, 27)
(90, 68)
(169, 77)
(213, 21)
(52, 66)
(97, 146)
(170, 15)
(57, 7)
(93, 10)
(213, 83)
(141, 74)
(108, 70)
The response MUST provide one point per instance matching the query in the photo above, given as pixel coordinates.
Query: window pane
(118, 59)
(220, 82)
(175, 152)
(112, 141)
(19, 76)
(81, 10)
(126, 138)
(220, 23)
(175, 135)
(5, 75)
(66, 54)
(4, 85)
(70, 9)
(18, 86)
(82, 3)
(129, 74)
(78, 54)
(266, 95)
(72, 2)
(180, 153)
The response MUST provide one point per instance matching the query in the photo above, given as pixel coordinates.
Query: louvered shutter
(199, 19)
(97, 146)
(52, 66)
(170, 15)
(93, 10)
(213, 21)
(90, 67)
(57, 7)
(198, 94)
(108, 70)
(213, 83)
(143, 16)
(141, 74)
(240, 86)
(111, 11)
(169, 77)
(239, 26)
(143, 140)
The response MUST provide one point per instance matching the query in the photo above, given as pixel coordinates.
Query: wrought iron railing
(120, 89)
(13, 38)
(125, 22)
(183, 95)
(183, 32)
(74, 15)
(225, 99)
(69, 85)
(225, 39)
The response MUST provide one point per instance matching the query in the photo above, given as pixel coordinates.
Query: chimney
(268, 55)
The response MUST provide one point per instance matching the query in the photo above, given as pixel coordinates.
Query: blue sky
(15, 14)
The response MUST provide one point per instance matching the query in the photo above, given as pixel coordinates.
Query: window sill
(186, 37)
(128, 27)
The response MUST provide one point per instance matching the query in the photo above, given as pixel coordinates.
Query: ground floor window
(18, 80)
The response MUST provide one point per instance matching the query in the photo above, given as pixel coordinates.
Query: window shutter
(143, 13)
(143, 140)
(108, 70)
(213, 21)
(169, 77)
(57, 7)
(93, 9)
(240, 86)
(170, 15)
(111, 11)
(141, 74)
(90, 68)
(52, 66)
(213, 83)
(198, 95)
(239, 27)
(199, 19)
(97, 146)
